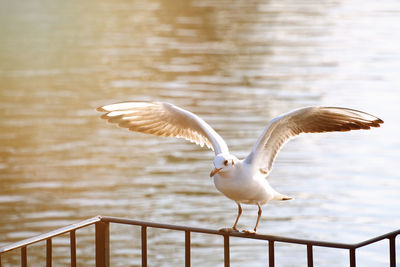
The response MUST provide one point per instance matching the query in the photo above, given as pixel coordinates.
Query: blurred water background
(235, 63)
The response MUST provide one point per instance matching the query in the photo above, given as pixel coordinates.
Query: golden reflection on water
(235, 63)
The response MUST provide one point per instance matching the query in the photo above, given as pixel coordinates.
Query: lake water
(237, 64)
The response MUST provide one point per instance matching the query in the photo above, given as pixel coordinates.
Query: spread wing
(305, 120)
(164, 119)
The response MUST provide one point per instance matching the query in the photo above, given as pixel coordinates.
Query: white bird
(243, 181)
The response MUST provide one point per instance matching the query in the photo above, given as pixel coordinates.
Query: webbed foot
(249, 232)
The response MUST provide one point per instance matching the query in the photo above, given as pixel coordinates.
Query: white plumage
(243, 181)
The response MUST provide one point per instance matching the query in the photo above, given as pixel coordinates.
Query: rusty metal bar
(392, 249)
(144, 246)
(102, 244)
(310, 259)
(53, 233)
(352, 255)
(235, 234)
(187, 248)
(103, 249)
(271, 253)
(49, 252)
(378, 238)
(24, 260)
(72, 242)
(226, 251)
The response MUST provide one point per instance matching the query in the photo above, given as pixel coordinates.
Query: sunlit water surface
(235, 63)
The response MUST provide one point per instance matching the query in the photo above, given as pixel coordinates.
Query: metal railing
(102, 244)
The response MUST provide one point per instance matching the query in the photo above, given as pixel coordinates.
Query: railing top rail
(392, 234)
(235, 234)
(108, 219)
(50, 234)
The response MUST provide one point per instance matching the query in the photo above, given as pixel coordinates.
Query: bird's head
(223, 162)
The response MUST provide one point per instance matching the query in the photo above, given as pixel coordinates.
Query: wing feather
(306, 120)
(164, 119)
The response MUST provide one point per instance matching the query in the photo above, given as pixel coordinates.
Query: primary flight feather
(243, 181)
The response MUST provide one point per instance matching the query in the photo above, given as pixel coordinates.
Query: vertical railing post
(352, 255)
(187, 248)
(102, 244)
(271, 253)
(226, 251)
(310, 259)
(72, 241)
(49, 252)
(392, 248)
(144, 246)
(24, 261)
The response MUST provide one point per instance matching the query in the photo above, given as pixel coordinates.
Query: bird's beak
(215, 171)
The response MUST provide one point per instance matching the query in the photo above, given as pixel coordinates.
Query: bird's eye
(226, 163)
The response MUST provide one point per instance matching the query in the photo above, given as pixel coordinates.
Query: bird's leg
(238, 216)
(229, 230)
(258, 220)
(259, 217)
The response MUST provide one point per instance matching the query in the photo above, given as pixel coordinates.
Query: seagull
(243, 181)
